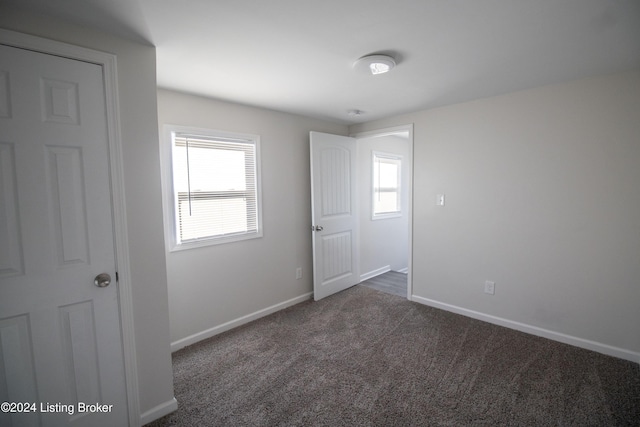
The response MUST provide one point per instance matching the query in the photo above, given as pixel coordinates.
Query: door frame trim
(108, 62)
(391, 131)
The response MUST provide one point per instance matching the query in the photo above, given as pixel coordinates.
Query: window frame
(170, 196)
(391, 214)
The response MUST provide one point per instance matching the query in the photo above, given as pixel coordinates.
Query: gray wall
(139, 123)
(383, 242)
(211, 286)
(542, 198)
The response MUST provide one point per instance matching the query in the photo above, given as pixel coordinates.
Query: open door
(333, 213)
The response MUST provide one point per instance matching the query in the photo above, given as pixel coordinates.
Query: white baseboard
(192, 339)
(609, 350)
(375, 273)
(159, 411)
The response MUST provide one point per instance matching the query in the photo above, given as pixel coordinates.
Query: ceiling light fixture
(375, 64)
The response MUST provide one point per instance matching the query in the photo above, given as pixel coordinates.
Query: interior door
(334, 213)
(60, 336)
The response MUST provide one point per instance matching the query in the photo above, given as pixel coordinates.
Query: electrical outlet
(298, 273)
(489, 287)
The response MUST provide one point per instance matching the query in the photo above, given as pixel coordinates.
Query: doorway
(342, 203)
(384, 192)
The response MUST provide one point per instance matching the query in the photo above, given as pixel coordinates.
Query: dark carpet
(367, 358)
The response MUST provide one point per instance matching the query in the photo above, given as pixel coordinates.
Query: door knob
(318, 228)
(102, 280)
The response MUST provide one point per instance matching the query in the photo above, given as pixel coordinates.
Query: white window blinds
(215, 187)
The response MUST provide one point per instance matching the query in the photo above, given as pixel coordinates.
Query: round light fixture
(375, 64)
(355, 113)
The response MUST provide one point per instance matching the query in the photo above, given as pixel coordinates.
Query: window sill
(213, 241)
(389, 215)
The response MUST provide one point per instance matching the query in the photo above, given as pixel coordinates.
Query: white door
(60, 336)
(334, 213)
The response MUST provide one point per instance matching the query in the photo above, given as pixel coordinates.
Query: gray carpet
(367, 358)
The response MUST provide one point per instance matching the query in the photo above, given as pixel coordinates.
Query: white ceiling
(297, 55)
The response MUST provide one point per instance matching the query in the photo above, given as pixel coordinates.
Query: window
(215, 191)
(386, 185)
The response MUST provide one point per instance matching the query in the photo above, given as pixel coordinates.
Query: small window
(215, 187)
(386, 185)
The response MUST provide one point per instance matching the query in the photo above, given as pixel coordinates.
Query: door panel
(58, 332)
(11, 259)
(67, 205)
(336, 256)
(17, 370)
(334, 213)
